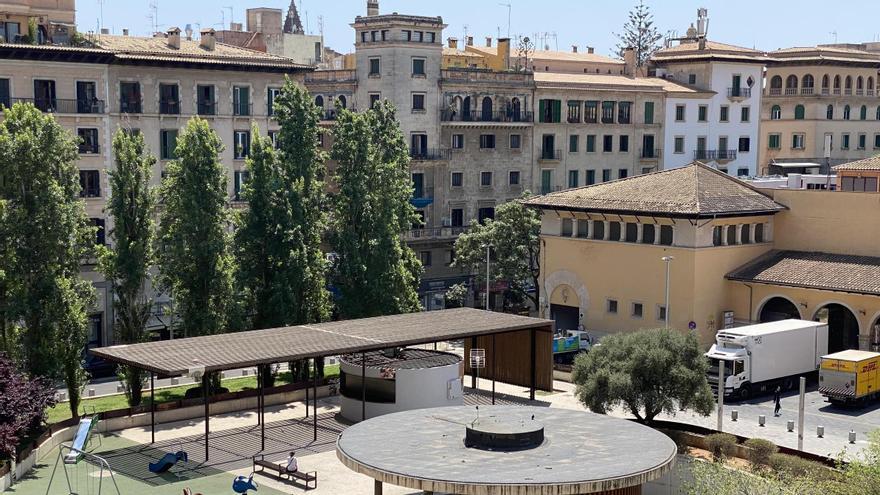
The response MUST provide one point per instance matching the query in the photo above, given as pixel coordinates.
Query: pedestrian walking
(776, 399)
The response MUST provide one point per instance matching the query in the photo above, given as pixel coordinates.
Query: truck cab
(736, 369)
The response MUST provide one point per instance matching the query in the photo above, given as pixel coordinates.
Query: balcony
(791, 91)
(719, 155)
(836, 91)
(478, 116)
(860, 92)
(332, 113)
(807, 91)
(826, 91)
(550, 155)
(130, 106)
(774, 91)
(89, 149)
(435, 233)
(242, 109)
(430, 154)
(331, 76)
(649, 154)
(207, 108)
(57, 105)
(734, 93)
(169, 107)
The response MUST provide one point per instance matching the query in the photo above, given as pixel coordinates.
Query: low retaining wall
(133, 417)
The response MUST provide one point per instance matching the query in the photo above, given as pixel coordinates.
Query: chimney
(488, 41)
(125, 32)
(372, 8)
(174, 38)
(209, 39)
(105, 30)
(702, 43)
(591, 50)
(504, 52)
(236, 26)
(189, 32)
(574, 48)
(453, 43)
(470, 41)
(629, 60)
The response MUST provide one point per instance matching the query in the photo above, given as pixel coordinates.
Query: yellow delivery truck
(851, 376)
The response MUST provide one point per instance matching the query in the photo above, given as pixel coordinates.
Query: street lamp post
(667, 260)
(488, 247)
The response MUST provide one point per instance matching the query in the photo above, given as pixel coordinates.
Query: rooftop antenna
(231, 17)
(101, 15)
(154, 16)
(834, 33)
(509, 7)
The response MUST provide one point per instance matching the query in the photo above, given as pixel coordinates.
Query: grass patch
(167, 394)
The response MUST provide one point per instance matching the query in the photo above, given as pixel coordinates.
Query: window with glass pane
(418, 101)
(679, 144)
(242, 177)
(745, 114)
(583, 229)
(457, 217)
(206, 100)
(607, 143)
(845, 142)
(241, 100)
(744, 144)
(573, 143)
(572, 178)
(515, 141)
(622, 173)
(591, 112)
(273, 95)
(574, 111)
(623, 143)
(624, 112)
(88, 140)
(487, 141)
(608, 112)
(242, 144)
(167, 144)
(130, 97)
(513, 178)
(4, 93)
(90, 184)
(591, 177)
(606, 174)
(457, 179)
(375, 67)
(649, 112)
(702, 113)
(679, 113)
(862, 141)
(418, 67)
(591, 143)
(724, 114)
(169, 99)
(486, 179)
(457, 141)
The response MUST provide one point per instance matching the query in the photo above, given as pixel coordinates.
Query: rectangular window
(567, 227)
(611, 306)
(591, 112)
(702, 113)
(797, 141)
(375, 66)
(591, 177)
(745, 144)
(844, 145)
(487, 141)
(608, 112)
(591, 143)
(546, 181)
(485, 179)
(679, 144)
(679, 113)
(572, 178)
(418, 102)
(862, 140)
(574, 112)
(457, 179)
(418, 181)
(692, 79)
(273, 136)
(90, 184)
(241, 100)
(374, 98)
(573, 143)
(515, 141)
(623, 143)
(242, 144)
(272, 95)
(169, 99)
(167, 144)
(661, 312)
(457, 217)
(606, 174)
(86, 97)
(773, 141)
(622, 173)
(241, 178)
(100, 233)
(550, 111)
(425, 258)
(649, 112)
(637, 310)
(130, 97)
(206, 101)
(418, 67)
(458, 141)
(724, 116)
(5, 93)
(88, 141)
(583, 229)
(876, 141)
(742, 172)
(407, 35)
(607, 143)
(624, 112)
(745, 114)
(513, 178)
(363, 36)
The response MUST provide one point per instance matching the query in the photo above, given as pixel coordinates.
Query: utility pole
(488, 247)
(720, 392)
(667, 260)
(803, 392)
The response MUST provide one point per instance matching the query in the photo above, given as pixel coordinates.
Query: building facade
(820, 108)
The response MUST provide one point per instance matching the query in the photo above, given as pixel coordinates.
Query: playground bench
(281, 470)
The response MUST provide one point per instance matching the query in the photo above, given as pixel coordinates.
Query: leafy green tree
(514, 237)
(6, 337)
(46, 234)
(640, 34)
(376, 273)
(127, 264)
(647, 372)
(195, 264)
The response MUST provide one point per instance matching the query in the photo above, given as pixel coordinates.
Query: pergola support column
(261, 398)
(315, 398)
(533, 369)
(205, 397)
(363, 386)
(306, 364)
(152, 408)
(494, 368)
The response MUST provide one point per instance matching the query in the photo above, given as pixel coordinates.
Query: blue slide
(168, 460)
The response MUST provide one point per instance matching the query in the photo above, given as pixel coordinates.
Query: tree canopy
(23, 404)
(640, 34)
(647, 372)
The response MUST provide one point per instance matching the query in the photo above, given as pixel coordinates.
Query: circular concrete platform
(581, 453)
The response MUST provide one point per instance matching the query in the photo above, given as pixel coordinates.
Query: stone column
(606, 235)
(739, 234)
(657, 230)
(640, 232)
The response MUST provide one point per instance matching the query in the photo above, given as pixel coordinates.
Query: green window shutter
(542, 106)
(557, 111)
(649, 112)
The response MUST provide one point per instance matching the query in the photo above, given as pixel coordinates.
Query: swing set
(91, 473)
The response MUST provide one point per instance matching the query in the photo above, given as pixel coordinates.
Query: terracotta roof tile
(872, 163)
(712, 48)
(823, 271)
(692, 191)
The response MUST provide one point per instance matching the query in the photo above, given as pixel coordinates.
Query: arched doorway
(565, 308)
(486, 110)
(515, 109)
(843, 327)
(875, 335)
(778, 308)
(343, 103)
(466, 108)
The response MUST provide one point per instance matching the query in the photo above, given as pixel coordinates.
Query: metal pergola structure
(256, 348)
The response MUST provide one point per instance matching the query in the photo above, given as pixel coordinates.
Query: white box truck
(757, 358)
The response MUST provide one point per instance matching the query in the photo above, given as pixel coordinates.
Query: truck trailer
(850, 377)
(758, 358)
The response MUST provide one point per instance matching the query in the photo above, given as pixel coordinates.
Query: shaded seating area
(279, 469)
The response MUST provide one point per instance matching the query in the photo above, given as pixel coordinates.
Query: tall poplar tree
(46, 235)
(195, 265)
(376, 272)
(127, 264)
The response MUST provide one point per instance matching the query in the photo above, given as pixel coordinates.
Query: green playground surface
(129, 462)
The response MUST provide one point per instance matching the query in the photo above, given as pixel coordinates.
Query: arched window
(746, 234)
(799, 112)
(731, 235)
(776, 85)
(825, 83)
(878, 113)
(870, 82)
(860, 85)
(829, 112)
(487, 109)
(846, 112)
(807, 84)
(466, 109)
(516, 109)
(775, 113)
(791, 84)
(319, 101)
(759, 232)
(343, 103)
(837, 85)
(863, 113)
(847, 85)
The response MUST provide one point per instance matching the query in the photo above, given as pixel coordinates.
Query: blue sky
(764, 24)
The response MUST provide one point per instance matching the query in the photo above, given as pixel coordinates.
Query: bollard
(852, 436)
(175, 381)
(734, 415)
(245, 372)
(790, 425)
(120, 389)
(762, 420)
(62, 396)
(91, 392)
(820, 431)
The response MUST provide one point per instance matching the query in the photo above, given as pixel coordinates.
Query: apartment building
(502, 57)
(152, 86)
(54, 20)
(821, 108)
(720, 125)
